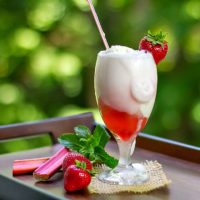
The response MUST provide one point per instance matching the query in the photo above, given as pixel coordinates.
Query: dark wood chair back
(53, 126)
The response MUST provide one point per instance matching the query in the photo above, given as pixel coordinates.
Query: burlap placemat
(157, 179)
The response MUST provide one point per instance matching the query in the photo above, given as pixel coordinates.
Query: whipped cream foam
(126, 79)
(117, 49)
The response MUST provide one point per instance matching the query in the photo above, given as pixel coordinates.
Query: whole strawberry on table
(77, 171)
(77, 176)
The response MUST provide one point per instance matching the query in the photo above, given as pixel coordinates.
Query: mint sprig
(91, 145)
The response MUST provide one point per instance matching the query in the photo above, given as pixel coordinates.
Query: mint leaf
(89, 145)
(82, 131)
(101, 136)
(105, 157)
(70, 141)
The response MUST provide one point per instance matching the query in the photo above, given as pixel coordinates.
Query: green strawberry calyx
(155, 39)
(82, 165)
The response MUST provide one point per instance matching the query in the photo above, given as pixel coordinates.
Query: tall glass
(125, 88)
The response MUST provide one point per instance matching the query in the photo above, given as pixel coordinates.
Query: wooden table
(182, 166)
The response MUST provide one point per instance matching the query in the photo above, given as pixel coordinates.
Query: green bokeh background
(48, 52)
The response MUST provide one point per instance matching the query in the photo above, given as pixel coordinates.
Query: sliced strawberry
(156, 44)
(72, 157)
(76, 178)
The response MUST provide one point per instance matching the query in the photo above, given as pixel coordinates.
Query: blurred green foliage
(48, 52)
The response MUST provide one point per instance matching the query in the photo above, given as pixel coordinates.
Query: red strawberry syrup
(120, 123)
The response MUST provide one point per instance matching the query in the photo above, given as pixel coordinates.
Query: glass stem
(126, 149)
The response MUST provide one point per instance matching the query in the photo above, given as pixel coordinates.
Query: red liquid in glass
(120, 123)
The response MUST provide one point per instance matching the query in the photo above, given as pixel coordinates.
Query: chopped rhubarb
(50, 167)
(27, 165)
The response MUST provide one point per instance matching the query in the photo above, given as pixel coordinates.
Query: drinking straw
(98, 24)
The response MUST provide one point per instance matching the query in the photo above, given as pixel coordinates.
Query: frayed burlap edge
(157, 180)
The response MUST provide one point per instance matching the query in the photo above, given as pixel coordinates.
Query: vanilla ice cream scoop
(126, 79)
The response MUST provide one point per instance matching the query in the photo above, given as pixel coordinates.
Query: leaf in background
(70, 141)
(105, 157)
(82, 131)
(101, 136)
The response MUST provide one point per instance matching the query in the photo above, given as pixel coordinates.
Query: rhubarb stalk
(27, 165)
(50, 167)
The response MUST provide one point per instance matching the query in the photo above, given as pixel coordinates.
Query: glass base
(132, 174)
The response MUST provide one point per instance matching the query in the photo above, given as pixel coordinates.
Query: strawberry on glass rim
(156, 44)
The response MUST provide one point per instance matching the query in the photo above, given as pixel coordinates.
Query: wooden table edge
(169, 147)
